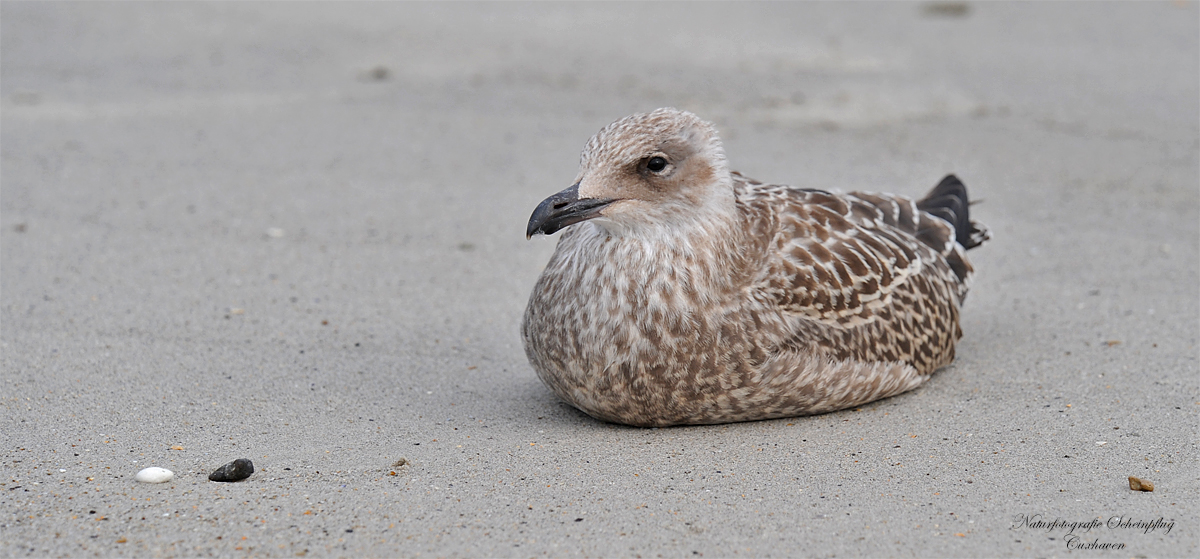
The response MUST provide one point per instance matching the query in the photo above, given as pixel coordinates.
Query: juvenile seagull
(684, 293)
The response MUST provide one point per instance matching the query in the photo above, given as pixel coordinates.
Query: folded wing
(838, 259)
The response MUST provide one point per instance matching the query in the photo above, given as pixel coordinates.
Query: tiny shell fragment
(154, 475)
(234, 471)
(1140, 484)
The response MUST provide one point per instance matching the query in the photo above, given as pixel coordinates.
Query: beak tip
(562, 210)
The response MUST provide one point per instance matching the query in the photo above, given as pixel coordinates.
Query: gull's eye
(656, 164)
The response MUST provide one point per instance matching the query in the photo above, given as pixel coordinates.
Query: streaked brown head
(643, 170)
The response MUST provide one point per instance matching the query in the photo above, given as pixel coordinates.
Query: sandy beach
(294, 233)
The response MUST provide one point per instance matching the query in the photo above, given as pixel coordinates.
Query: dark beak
(563, 209)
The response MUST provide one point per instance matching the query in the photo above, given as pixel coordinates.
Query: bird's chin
(612, 227)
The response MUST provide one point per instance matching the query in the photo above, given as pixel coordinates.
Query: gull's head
(645, 170)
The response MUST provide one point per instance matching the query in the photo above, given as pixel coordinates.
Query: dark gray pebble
(234, 471)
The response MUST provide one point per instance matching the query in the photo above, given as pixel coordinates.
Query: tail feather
(948, 201)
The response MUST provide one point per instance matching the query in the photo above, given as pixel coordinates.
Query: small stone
(376, 74)
(234, 471)
(154, 475)
(400, 463)
(947, 9)
(1140, 484)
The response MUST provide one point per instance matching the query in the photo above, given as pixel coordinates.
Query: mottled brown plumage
(683, 293)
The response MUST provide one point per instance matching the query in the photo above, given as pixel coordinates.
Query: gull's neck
(694, 247)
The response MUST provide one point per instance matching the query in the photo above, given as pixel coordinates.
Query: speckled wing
(838, 259)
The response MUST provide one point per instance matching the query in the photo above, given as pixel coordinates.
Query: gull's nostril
(560, 205)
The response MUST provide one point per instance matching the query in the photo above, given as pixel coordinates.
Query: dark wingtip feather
(948, 201)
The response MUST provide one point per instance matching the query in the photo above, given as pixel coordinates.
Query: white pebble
(154, 475)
